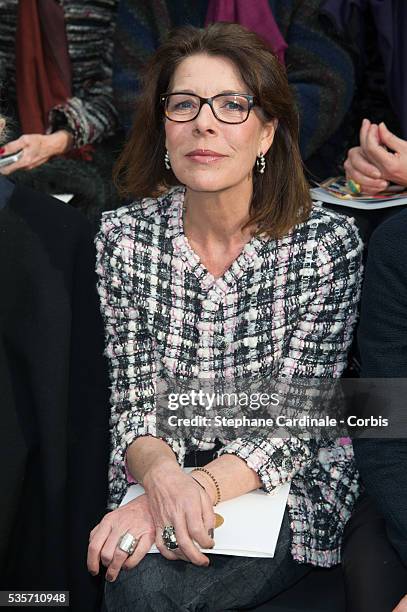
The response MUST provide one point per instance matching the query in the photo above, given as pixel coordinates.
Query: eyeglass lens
(228, 108)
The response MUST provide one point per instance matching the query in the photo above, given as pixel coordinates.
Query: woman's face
(207, 154)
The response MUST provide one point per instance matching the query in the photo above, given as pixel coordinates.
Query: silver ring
(127, 543)
(169, 538)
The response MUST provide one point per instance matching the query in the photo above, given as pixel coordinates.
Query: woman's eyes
(185, 105)
(233, 105)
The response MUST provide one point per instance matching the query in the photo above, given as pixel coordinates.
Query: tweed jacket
(90, 113)
(285, 307)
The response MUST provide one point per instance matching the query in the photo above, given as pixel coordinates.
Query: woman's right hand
(134, 517)
(176, 499)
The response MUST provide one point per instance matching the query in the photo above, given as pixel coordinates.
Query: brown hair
(280, 196)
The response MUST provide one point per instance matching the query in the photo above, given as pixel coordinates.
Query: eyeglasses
(228, 108)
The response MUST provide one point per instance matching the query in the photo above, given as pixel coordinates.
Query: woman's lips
(204, 156)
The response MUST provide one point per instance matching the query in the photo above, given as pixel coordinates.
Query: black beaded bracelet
(215, 482)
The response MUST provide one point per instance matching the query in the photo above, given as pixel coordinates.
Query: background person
(56, 87)
(378, 581)
(54, 399)
(229, 272)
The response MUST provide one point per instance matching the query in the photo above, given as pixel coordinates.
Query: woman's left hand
(37, 149)
(177, 499)
(402, 605)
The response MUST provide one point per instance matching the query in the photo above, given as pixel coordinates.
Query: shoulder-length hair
(281, 197)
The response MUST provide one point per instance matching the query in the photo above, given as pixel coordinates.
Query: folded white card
(251, 526)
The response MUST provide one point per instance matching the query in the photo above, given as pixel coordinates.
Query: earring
(167, 163)
(260, 163)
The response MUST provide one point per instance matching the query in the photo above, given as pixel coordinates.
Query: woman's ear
(267, 136)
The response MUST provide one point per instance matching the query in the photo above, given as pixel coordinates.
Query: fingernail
(92, 573)
(109, 578)
(2, 150)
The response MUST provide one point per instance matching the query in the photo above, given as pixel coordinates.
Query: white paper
(251, 526)
(321, 195)
(64, 197)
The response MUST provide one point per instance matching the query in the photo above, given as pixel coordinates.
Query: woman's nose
(206, 120)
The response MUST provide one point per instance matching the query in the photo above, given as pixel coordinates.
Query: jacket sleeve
(90, 115)
(317, 348)
(129, 348)
(320, 71)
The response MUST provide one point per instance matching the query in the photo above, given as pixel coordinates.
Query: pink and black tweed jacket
(285, 307)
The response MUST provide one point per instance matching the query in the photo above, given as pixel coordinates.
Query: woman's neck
(217, 217)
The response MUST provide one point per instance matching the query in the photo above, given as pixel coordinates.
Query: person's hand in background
(381, 158)
(37, 149)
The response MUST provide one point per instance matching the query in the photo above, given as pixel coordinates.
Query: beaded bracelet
(215, 482)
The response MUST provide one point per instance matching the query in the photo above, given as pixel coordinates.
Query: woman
(229, 272)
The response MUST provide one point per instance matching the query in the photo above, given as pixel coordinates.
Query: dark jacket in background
(54, 398)
(383, 347)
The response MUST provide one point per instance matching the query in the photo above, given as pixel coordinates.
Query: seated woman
(223, 269)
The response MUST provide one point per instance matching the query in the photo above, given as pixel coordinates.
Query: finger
(209, 520)
(23, 163)
(368, 185)
(171, 555)
(98, 539)
(113, 557)
(374, 150)
(363, 132)
(186, 544)
(144, 544)
(111, 547)
(159, 542)
(358, 161)
(13, 146)
(200, 526)
(391, 140)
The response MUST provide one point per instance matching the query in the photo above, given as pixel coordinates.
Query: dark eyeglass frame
(251, 100)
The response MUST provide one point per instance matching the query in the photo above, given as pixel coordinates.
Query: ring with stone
(169, 538)
(127, 543)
